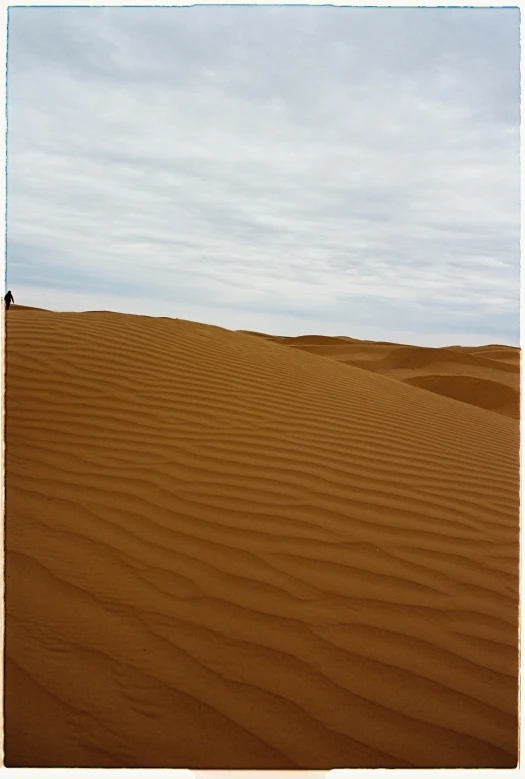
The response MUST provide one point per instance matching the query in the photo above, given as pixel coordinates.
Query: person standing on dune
(8, 299)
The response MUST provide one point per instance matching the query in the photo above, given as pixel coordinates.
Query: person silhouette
(9, 299)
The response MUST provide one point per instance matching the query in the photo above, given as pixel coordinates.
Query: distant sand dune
(319, 340)
(507, 355)
(421, 357)
(456, 372)
(227, 552)
(488, 394)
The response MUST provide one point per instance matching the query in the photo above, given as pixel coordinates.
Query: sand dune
(506, 355)
(16, 307)
(422, 357)
(488, 394)
(485, 376)
(224, 551)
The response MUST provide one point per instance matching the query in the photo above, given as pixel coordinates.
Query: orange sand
(485, 376)
(225, 550)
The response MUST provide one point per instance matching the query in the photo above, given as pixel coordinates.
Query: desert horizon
(233, 550)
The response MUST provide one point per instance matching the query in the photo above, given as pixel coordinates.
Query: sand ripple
(227, 551)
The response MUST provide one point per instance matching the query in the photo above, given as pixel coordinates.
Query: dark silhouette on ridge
(8, 299)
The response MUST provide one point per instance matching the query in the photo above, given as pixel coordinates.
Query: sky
(290, 170)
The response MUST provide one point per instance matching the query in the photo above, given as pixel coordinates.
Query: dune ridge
(224, 552)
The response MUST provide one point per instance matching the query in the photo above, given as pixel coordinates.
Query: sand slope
(223, 552)
(485, 376)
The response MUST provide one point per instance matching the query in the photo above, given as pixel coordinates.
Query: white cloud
(350, 167)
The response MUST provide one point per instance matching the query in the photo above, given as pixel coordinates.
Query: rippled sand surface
(233, 550)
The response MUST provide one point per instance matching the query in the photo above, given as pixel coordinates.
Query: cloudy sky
(346, 171)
